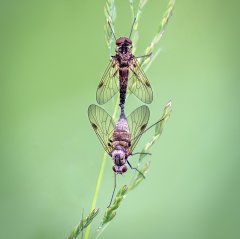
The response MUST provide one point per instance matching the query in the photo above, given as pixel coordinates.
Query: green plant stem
(94, 201)
(100, 175)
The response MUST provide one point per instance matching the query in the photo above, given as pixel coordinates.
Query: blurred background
(52, 56)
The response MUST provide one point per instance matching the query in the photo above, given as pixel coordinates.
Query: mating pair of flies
(120, 138)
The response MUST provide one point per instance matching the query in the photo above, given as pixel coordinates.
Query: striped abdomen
(121, 136)
(123, 82)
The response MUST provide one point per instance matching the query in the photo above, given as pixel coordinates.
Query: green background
(52, 56)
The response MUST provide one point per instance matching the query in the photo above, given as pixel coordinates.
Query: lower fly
(120, 138)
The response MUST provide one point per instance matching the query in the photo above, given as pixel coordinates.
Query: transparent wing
(102, 124)
(138, 84)
(137, 122)
(108, 86)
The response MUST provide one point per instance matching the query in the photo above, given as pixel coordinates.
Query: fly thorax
(124, 58)
(118, 157)
(122, 125)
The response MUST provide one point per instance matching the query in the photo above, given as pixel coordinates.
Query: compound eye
(124, 168)
(114, 169)
(120, 41)
(128, 41)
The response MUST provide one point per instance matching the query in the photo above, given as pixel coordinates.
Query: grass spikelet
(110, 14)
(161, 29)
(83, 224)
(112, 211)
(158, 130)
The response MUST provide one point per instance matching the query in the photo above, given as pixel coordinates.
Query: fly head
(123, 41)
(119, 169)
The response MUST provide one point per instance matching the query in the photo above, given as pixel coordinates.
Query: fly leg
(148, 55)
(135, 169)
(115, 184)
(141, 153)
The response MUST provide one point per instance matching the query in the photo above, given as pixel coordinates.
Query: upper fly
(124, 72)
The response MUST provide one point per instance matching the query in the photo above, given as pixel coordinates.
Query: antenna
(111, 29)
(132, 28)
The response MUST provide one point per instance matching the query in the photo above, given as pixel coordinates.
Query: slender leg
(144, 55)
(141, 153)
(135, 169)
(115, 184)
